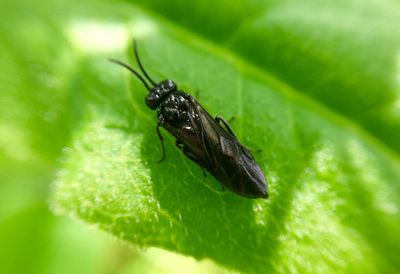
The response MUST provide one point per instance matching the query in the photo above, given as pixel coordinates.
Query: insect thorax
(174, 108)
(174, 114)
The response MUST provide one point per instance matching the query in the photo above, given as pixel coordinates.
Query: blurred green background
(35, 125)
(343, 55)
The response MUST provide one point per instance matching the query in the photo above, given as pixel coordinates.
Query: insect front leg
(162, 143)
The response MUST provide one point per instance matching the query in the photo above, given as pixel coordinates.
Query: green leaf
(345, 54)
(334, 189)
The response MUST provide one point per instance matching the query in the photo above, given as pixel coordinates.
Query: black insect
(208, 141)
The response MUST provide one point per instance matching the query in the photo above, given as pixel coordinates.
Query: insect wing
(250, 172)
(231, 162)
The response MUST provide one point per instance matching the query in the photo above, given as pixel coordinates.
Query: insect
(207, 141)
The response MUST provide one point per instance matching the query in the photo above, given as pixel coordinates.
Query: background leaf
(328, 179)
(333, 169)
(35, 123)
(344, 54)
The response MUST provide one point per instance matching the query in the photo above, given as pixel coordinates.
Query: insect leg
(194, 159)
(179, 144)
(219, 119)
(189, 154)
(162, 143)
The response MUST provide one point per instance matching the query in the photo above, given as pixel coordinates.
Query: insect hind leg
(220, 120)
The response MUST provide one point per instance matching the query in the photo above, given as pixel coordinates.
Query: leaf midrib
(277, 85)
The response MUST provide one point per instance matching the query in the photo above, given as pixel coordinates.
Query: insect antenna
(140, 63)
(131, 70)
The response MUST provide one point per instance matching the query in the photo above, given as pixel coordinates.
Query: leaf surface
(334, 188)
